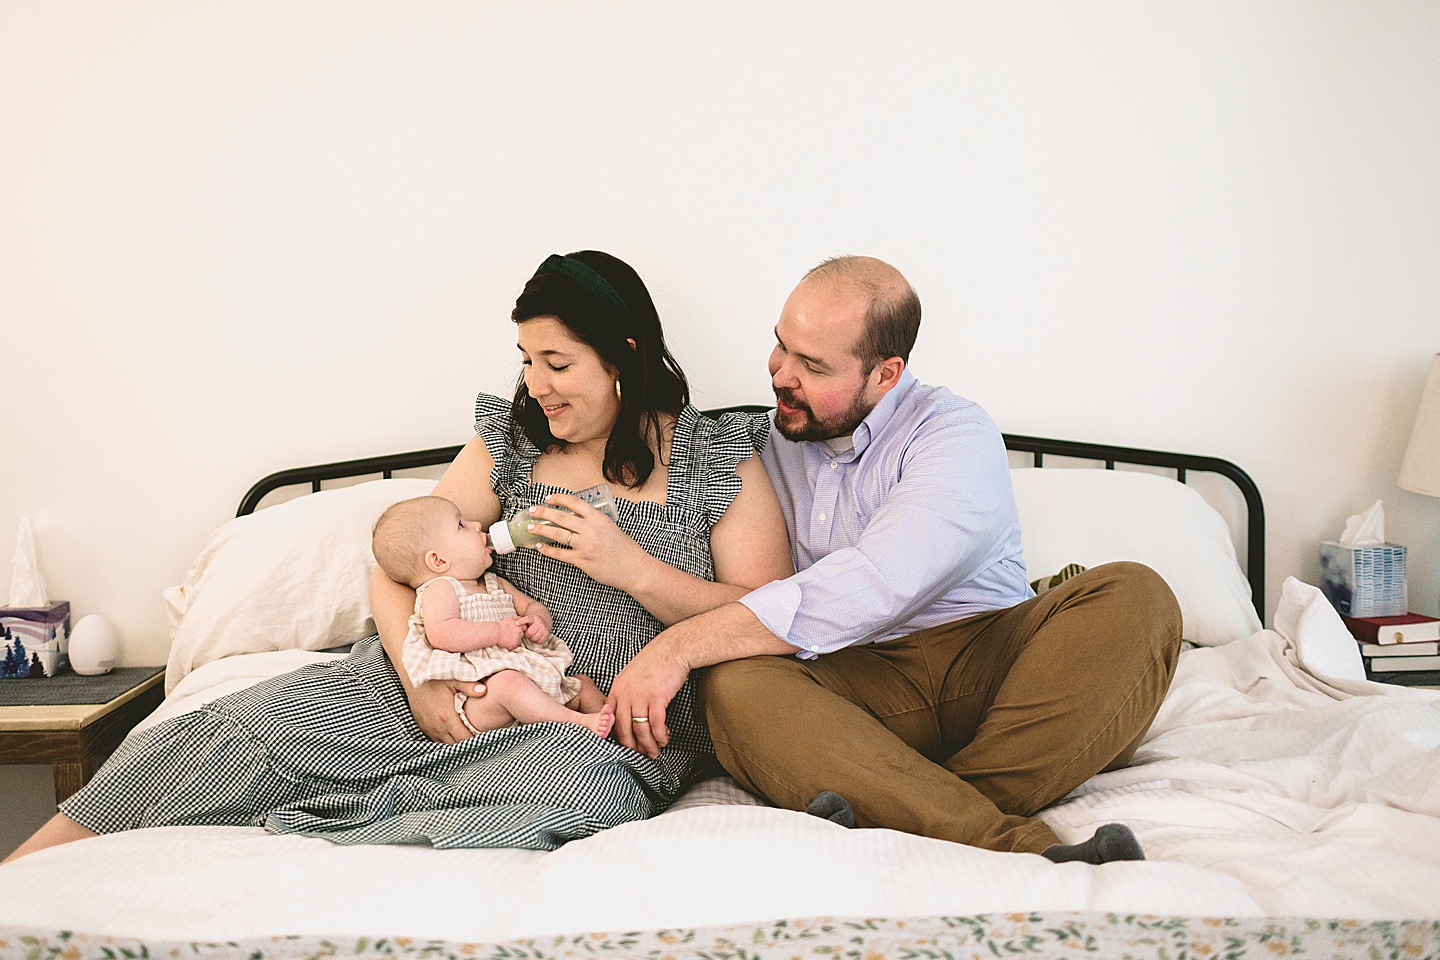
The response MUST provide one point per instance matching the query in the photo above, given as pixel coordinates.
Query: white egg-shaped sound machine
(94, 648)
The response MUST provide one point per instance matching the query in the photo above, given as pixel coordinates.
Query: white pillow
(1092, 517)
(292, 576)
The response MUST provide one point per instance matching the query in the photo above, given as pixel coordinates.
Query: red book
(1407, 628)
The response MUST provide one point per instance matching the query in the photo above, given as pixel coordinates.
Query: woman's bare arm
(466, 483)
(749, 547)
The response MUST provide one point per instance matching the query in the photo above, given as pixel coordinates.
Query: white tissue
(1323, 645)
(27, 583)
(1366, 529)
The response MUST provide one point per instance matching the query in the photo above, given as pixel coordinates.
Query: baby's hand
(537, 629)
(512, 631)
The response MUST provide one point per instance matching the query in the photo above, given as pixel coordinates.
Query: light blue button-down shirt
(914, 527)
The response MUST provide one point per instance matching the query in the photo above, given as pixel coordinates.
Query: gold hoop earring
(617, 388)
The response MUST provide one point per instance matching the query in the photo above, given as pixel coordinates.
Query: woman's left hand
(590, 540)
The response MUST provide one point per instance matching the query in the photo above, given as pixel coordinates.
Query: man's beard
(812, 428)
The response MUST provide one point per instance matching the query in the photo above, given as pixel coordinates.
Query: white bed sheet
(1263, 790)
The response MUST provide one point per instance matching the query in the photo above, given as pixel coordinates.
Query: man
(907, 676)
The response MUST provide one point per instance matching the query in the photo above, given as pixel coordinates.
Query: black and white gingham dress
(331, 750)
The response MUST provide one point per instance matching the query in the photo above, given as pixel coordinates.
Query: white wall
(237, 237)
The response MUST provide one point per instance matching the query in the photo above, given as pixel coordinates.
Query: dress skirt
(331, 750)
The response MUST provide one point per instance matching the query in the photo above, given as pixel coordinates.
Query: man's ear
(887, 373)
(435, 563)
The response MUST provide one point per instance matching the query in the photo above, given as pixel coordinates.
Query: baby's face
(464, 544)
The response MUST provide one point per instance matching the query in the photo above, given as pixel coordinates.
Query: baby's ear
(435, 563)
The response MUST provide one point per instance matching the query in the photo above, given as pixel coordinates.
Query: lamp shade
(1420, 473)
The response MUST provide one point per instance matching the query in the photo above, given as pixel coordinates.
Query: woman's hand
(466, 484)
(433, 706)
(590, 540)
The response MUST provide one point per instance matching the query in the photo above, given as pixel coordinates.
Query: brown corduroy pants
(962, 731)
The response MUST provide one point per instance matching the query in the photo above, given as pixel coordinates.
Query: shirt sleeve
(951, 514)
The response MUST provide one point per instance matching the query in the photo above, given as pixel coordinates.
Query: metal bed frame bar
(1037, 447)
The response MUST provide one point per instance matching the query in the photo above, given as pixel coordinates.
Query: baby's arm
(446, 630)
(537, 617)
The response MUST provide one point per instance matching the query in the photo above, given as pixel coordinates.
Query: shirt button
(833, 465)
(814, 648)
(822, 518)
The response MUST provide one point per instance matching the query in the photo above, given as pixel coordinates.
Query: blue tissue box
(36, 639)
(1364, 581)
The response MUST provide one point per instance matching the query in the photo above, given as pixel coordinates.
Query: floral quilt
(986, 936)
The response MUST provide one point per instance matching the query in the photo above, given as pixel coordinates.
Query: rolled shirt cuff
(775, 606)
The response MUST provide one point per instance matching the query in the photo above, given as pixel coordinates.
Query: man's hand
(640, 694)
(433, 706)
(649, 682)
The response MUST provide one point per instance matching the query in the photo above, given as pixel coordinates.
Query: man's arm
(650, 681)
(949, 517)
(951, 514)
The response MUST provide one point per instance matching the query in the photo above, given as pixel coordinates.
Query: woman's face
(573, 385)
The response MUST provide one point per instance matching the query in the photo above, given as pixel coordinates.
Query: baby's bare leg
(487, 713)
(589, 699)
(528, 704)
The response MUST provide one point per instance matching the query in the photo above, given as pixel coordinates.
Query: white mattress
(1262, 791)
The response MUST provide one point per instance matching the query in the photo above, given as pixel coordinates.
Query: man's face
(821, 392)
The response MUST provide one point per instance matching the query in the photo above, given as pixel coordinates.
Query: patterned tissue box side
(36, 639)
(1364, 581)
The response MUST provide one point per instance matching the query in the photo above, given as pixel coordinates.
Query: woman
(332, 749)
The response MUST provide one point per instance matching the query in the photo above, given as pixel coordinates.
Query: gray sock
(1113, 841)
(829, 805)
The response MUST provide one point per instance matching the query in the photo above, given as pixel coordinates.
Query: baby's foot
(600, 723)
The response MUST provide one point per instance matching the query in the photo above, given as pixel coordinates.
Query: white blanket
(1263, 789)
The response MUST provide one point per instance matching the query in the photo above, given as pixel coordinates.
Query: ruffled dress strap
(706, 452)
(492, 587)
(459, 588)
(514, 461)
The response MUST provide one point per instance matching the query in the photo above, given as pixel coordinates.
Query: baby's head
(415, 540)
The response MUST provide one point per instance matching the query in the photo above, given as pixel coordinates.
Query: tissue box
(1364, 581)
(37, 640)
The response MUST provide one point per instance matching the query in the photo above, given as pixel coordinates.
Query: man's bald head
(892, 314)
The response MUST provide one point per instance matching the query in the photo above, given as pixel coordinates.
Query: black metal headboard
(1037, 447)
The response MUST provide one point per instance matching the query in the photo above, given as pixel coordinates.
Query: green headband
(588, 278)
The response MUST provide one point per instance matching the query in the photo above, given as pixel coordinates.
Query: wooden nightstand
(76, 738)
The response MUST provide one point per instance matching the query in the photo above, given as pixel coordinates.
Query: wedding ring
(569, 537)
(639, 719)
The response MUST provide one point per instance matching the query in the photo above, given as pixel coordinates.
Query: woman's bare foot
(57, 830)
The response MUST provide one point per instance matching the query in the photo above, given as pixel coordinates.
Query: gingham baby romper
(331, 749)
(544, 663)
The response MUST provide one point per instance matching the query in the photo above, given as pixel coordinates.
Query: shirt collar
(876, 420)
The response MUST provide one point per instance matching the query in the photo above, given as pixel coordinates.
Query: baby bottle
(507, 536)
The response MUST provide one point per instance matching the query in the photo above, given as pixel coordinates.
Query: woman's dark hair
(604, 303)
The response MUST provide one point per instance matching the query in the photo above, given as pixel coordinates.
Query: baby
(467, 630)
